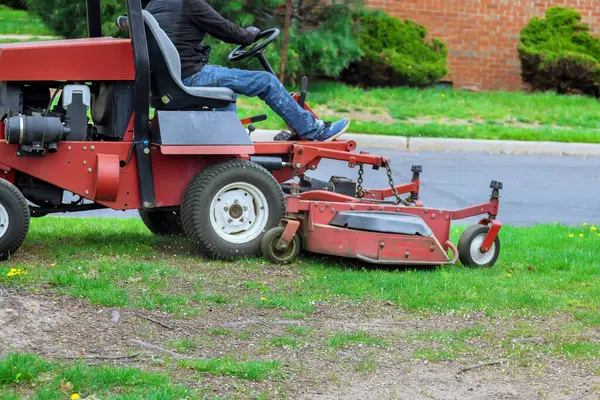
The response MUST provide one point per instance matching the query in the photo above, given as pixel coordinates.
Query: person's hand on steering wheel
(258, 46)
(254, 31)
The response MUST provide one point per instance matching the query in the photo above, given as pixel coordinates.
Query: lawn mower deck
(401, 232)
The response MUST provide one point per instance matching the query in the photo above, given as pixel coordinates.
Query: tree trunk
(286, 37)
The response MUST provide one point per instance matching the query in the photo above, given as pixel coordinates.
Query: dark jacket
(187, 22)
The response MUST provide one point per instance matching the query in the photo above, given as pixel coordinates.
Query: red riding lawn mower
(76, 118)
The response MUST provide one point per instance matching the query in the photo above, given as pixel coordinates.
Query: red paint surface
(95, 59)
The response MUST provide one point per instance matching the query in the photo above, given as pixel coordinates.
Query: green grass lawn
(116, 262)
(546, 272)
(19, 22)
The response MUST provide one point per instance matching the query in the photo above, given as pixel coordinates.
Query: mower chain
(359, 189)
(399, 199)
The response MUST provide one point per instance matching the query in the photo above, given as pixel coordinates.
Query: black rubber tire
(464, 247)
(270, 251)
(162, 222)
(195, 207)
(17, 209)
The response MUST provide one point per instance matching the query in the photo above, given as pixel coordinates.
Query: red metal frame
(495, 226)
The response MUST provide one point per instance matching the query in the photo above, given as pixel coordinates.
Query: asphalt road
(537, 189)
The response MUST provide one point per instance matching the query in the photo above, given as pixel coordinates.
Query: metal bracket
(288, 234)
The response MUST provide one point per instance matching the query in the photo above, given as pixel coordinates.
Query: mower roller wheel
(14, 219)
(162, 222)
(275, 255)
(228, 207)
(469, 248)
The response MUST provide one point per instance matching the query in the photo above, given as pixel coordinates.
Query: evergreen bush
(558, 53)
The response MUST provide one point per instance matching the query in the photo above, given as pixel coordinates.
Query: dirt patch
(56, 326)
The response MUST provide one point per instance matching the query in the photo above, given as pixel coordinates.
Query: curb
(470, 145)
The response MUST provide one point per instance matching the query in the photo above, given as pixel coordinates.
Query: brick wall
(482, 35)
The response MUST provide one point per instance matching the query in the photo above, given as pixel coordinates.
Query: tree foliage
(322, 38)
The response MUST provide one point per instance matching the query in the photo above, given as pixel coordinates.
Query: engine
(38, 116)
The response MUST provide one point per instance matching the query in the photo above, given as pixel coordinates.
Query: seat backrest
(166, 47)
(165, 68)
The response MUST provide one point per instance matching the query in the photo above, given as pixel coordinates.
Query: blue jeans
(264, 85)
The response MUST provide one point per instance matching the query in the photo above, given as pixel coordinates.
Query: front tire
(228, 207)
(469, 246)
(14, 219)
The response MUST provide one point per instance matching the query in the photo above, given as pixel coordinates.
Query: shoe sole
(337, 135)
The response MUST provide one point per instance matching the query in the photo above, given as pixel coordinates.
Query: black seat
(168, 91)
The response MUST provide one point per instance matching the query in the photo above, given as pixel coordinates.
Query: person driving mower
(186, 23)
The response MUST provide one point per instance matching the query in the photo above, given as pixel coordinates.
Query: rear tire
(14, 219)
(228, 207)
(469, 245)
(162, 222)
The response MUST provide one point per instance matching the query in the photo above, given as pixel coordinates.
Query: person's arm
(211, 22)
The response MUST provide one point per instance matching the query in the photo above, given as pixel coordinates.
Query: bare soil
(59, 327)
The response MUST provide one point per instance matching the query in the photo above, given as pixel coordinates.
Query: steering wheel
(257, 46)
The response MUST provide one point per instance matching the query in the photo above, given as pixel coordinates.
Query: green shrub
(558, 53)
(16, 4)
(68, 18)
(322, 38)
(396, 53)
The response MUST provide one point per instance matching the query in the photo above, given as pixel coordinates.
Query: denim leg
(267, 87)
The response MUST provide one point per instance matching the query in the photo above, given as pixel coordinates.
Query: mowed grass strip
(341, 340)
(447, 113)
(251, 370)
(19, 22)
(26, 374)
(117, 262)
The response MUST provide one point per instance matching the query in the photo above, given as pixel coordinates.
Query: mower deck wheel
(14, 219)
(162, 222)
(469, 248)
(228, 207)
(275, 255)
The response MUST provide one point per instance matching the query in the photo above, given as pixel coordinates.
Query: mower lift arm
(307, 157)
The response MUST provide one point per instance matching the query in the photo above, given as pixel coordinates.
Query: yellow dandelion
(75, 396)
(10, 274)
(263, 299)
(585, 224)
(555, 222)
(469, 128)
(593, 228)
(581, 235)
(571, 235)
(13, 270)
(508, 275)
(53, 265)
(599, 234)
(443, 95)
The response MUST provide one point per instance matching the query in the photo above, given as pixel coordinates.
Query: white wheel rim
(4, 221)
(475, 250)
(239, 212)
